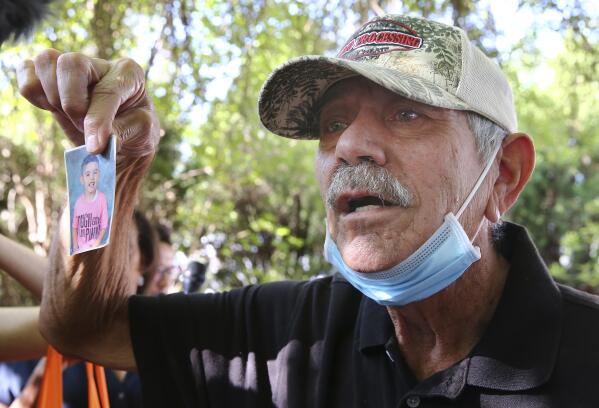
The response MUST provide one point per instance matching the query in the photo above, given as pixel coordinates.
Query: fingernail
(91, 141)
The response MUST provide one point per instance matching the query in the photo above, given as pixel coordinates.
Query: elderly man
(437, 302)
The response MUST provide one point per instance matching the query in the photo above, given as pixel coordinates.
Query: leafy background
(247, 201)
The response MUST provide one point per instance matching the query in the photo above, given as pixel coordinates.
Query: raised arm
(23, 264)
(84, 304)
(20, 337)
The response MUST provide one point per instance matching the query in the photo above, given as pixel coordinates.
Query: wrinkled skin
(91, 98)
(430, 150)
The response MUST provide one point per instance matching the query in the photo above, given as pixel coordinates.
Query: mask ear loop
(475, 189)
(478, 183)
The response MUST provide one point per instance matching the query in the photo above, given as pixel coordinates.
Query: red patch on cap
(381, 36)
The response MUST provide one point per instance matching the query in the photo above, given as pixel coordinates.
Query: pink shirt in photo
(89, 219)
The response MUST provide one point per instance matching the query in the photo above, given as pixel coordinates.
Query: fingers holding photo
(45, 69)
(120, 105)
(30, 86)
(60, 83)
(92, 98)
(138, 132)
(76, 74)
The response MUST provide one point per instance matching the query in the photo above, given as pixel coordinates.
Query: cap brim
(289, 98)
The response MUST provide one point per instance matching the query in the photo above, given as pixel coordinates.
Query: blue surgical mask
(439, 262)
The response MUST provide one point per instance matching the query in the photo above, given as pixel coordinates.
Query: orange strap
(50, 395)
(97, 392)
(102, 387)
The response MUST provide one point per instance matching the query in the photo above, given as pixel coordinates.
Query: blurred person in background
(167, 270)
(170, 276)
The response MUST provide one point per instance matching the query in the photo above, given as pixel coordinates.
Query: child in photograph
(90, 216)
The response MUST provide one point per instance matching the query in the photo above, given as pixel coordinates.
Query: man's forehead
(343, 88)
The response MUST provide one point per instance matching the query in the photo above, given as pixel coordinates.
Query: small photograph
(91, 182)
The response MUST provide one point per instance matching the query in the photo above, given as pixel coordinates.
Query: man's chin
(367, 259)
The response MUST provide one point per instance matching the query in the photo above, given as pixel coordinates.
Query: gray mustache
(370, 177)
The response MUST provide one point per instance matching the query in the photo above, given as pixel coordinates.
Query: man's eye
(406, 116)
(335, 126)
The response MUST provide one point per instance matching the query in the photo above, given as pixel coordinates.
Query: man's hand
(84, 305)
(92, 98)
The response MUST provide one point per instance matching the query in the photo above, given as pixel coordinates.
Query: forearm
(27, 397)
(23, 264)
(84, 307)
(20, 337)
(84, 302)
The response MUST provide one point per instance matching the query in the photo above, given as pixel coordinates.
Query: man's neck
(435, 333)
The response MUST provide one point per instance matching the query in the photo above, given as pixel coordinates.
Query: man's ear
(515, 167)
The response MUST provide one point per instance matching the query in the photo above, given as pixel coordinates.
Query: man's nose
(362, 141)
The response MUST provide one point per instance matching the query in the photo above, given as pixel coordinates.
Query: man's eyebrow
(332, 93)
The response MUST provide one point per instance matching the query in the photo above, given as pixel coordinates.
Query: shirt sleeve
(191, 348)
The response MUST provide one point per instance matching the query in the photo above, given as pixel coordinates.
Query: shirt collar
(375, 325)
(519, 347)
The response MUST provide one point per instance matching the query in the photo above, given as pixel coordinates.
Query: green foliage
(559, 206)
(259, 203)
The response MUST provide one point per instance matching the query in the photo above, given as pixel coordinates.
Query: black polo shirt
(322, 344)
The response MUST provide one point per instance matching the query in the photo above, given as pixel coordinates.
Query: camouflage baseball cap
(422, 60)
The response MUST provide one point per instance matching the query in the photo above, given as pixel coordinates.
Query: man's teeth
(367, 208)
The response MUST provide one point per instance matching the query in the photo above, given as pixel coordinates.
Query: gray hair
(487, 134)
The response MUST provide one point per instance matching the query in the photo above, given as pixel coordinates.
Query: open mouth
(349, 203)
